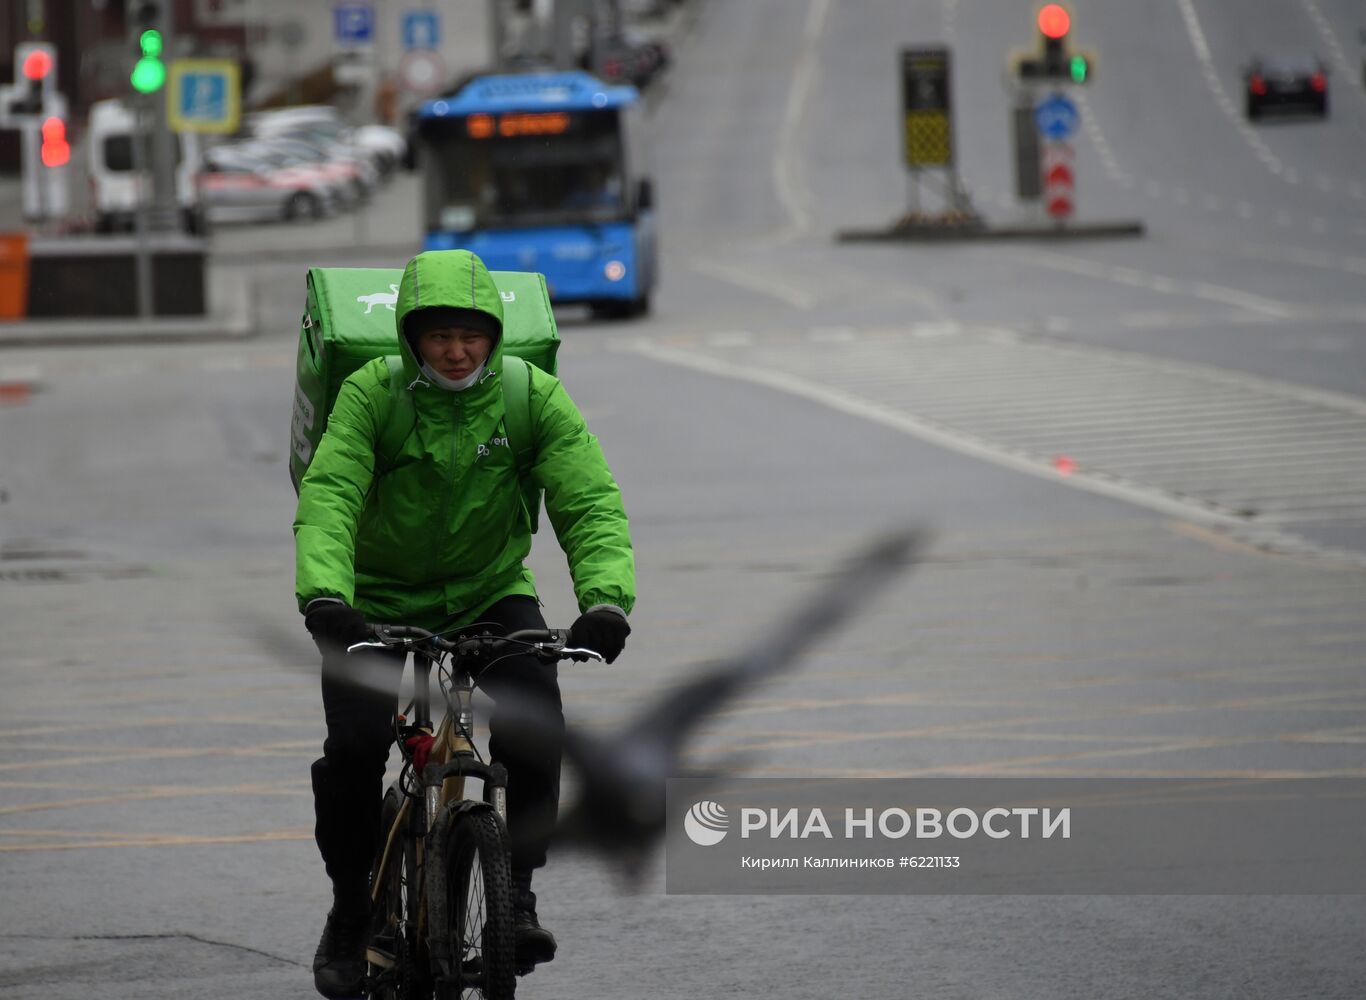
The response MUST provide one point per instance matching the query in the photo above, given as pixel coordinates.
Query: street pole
(497, 33)
(30, 152)
(142, 264)
(166, 203)
(565, 16)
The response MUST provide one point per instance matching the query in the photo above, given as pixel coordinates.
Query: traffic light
(149, 72)
(36, 65)
(1056, 62)
(1054, 24)
(56, 151)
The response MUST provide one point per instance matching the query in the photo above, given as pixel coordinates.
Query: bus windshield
(485, 173)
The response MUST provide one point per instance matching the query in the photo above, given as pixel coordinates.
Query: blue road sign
(354, 23)
(421, 29)
(1057, 117)
(203, 95)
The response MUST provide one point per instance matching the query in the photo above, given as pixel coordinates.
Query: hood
(452, 278)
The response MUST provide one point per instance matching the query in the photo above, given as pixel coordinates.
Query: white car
(115, 187)
(323, 123)
(241, 187)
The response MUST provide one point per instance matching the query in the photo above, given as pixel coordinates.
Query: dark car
(631, 57)
(1294, 84)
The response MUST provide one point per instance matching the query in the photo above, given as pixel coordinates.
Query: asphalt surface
(155, 741)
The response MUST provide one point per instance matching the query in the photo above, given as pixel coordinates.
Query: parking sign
(421, 29)
(354, 23)
(203, 95)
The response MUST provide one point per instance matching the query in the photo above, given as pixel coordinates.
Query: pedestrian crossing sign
(203, 95)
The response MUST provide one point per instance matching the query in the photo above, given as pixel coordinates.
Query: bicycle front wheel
(479, 909)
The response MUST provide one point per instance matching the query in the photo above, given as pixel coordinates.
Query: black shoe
(339, 963)
(535, 944)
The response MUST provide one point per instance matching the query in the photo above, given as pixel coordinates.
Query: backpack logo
(509, 296)
(387, 299)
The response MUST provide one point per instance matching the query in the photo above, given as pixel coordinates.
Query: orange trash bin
(13, 275)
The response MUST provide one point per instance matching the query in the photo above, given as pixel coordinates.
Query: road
(1183, 596)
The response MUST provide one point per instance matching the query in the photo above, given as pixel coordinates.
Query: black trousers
(348, 779)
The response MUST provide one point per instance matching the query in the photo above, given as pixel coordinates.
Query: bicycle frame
(421, 867)
(452, 759)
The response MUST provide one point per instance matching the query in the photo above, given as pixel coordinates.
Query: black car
(1295, 84)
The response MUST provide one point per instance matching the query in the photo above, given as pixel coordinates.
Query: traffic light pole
(142, 263)
(165, 204)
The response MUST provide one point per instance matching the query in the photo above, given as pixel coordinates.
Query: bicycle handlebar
(548, 643)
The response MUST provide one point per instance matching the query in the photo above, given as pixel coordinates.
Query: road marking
(1156, 283)
(1221, 97)
(832, 334)
(122, 841)
(1335, 50)
(1216, 448)
(1091, 125)
(795, 297)
(787, 181)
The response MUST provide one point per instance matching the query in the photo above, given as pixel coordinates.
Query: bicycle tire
(396, 959)
(479, 909)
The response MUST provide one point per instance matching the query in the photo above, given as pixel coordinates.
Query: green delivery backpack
(349, 319)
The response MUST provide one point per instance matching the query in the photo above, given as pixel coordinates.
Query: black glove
(601, 631)
(334, 624)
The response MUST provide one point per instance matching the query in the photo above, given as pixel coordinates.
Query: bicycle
(441, 890)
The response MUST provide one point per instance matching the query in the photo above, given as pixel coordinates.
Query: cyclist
(438, 538)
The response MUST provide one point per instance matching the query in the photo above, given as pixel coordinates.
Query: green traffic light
(149, 73)
(1079, 69)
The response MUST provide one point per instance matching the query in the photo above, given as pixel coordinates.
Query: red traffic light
(1054, 21)
(56, 150)
(37, 64)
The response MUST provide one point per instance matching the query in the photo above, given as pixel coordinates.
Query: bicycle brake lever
(575, 653)
(368, 645)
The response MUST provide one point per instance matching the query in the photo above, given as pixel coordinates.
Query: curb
(235, 324)
(930, 234)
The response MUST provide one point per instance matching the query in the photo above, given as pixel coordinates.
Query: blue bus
(544, 171)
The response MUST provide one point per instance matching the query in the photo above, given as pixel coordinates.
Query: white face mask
(454, 385)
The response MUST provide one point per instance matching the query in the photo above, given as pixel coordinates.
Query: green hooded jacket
(443, 534)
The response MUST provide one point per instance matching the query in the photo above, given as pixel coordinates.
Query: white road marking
(787, 183)
(741, 278)
(1091, 124)
(1156, 283)
(1250, 456)
(21, 373)
(730, 338)
(1335, 50)
(832, 334)
(1302, 256)
(1221, 97)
